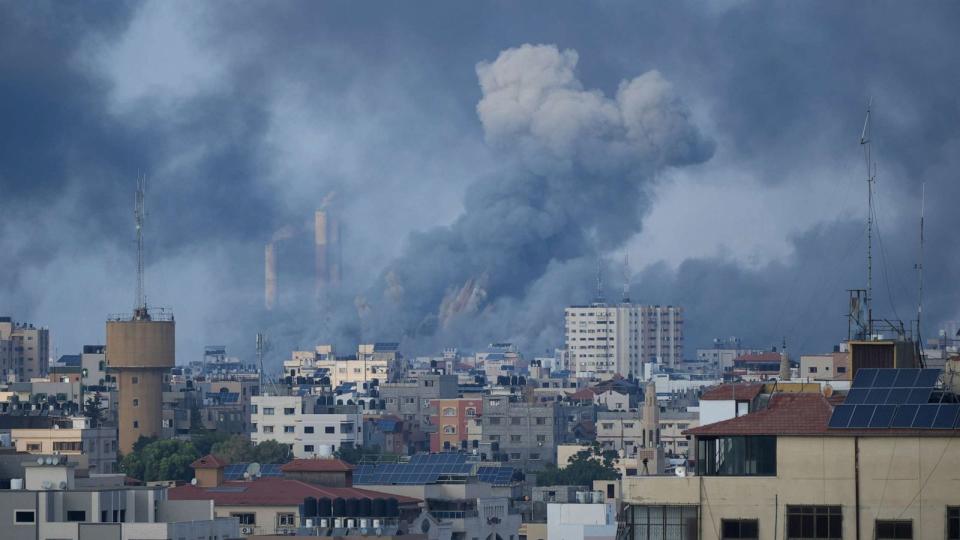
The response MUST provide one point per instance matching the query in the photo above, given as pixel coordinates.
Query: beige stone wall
(141, 344)
(900, 478)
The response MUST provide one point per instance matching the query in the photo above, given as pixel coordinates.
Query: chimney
(270, 276)
(784, 363)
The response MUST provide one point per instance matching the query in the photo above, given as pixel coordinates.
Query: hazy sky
(482, 157)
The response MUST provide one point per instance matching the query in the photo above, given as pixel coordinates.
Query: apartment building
(605, 339)
(524, 433)
(94, 449)
(305, 423)
(807, 466)
(410, 399)
(826, 367)
(450, 419)
(373, 361)
(24, 350)
(51, 502)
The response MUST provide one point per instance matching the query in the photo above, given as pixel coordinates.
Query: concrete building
(728, 401)
(94, 449)
(450, 421)
(605, 339)
(24, 350)
(825, 367)
(307, 424)
(782, 471)
(93, 362)
(523, 433)
(140, 351)
(372, 362)
(52, 503)
(410, 400)
(581, 521)
(672, 425)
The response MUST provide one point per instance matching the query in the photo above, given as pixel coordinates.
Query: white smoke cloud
(534, 102)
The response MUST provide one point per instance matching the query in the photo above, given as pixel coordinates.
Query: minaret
(784, 362)
(140, 350)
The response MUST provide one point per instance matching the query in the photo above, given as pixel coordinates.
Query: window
(841, 369)
(268, 429)
(449, 411)
(285, 520)
(288, 411)
(245, 519)
(268, 411)
(740, 528)
(33, 447)
(308, 429)
(67, 446)
(515, 438)
(541, 438)
(288, 429)
(813, 369)
(737, 456)
(534, 456)
(329, 429)
(894, 529)
(515, 421)
(541, 421)
(953, 523)
(675, 522)
(136, 424)
(515, 455)
(494, 421)
(805, 522)
(471, 411)
(24, 516)
(308, 448)
(76, 515)
(607, 425)
(493, 437)
(253, 409)
(134, 380)
(449, 430)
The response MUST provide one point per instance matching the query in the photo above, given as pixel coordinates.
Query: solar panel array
(235, 471)
(498, 476)
(421, 469)
(894, 398)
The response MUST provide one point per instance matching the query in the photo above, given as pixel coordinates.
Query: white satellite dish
(63, 485)
(40, 460)
(46, 484)
(253, 470)
(680, 470)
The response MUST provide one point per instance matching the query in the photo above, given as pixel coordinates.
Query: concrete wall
(913, 478)
(10, 501)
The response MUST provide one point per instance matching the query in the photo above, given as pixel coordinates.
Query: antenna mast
(923, 189)
(139, 212)
(865, 142)
(626, 278)
(599, 299)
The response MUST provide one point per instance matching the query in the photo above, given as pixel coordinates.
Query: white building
(306, 423)
(581, 521)
(372, 361)
(608, 339)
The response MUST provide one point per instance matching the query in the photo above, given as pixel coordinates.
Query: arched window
(449, 411)
(471, 411)
(450, 430)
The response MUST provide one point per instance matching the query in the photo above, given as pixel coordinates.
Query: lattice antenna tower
(139, 214)
(865, 142)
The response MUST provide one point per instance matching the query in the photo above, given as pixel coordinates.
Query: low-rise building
(90, 448)
(825, 367)
(308, 424)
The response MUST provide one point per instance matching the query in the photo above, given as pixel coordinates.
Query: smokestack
(784, 363)
(327, 244)
(270, 276)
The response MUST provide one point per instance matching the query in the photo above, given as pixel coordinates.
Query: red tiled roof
(735, 391)
(583, 393)
(209, 461)
(273, 492)
(766, 357)
(316, 465)
(786, 414)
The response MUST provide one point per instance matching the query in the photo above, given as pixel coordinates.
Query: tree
(586, 466)
(93, 410)
(271, 451)
(235, 449)
(167, 459)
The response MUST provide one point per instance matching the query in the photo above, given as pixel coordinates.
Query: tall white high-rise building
(606, 339)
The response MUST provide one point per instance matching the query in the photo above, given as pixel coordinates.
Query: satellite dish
(680, 471)
(193, 482)
(253, 470)
(827, 391)
(40, 460)
(49, 460)
(63, 485)
(46, 484)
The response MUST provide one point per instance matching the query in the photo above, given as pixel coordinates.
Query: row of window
(804, 522)
(345, 428)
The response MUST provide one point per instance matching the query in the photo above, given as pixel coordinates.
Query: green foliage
(167, 459)
(586, 466)
(204, 439)
(93, 411)
(354, 454)
(239, 449)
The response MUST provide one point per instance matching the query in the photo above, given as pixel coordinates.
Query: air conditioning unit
(376, 524)
(246, 530)
(351, 523)
(324, 522)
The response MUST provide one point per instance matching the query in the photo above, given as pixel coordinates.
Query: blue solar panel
(877, 396)
(946, 416)
(884, 378)
(898, 395)
(925, 416)
(841, 416)
(927, 378)
(864, 378)
(856, 396)
(919, 395)
(903, 418)
(882, 416)
(906, 378)
(861, 416)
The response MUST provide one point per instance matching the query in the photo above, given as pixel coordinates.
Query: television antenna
(866, 143)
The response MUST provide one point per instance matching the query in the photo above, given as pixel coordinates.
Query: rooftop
(735, 391)
(316, 465)
(273, 492)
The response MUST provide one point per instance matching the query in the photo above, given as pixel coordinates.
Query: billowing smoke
(576, 164)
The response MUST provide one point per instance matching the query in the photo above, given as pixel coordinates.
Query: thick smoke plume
(572, 187)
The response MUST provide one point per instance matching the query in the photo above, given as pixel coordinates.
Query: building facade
(24, 350)
(304, 424)
(606, 339)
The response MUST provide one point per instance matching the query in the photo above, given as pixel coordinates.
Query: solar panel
(906, 377)
(877, 396)
(841, 416)
(919, 395)
(882, 416)
(925, 415)
(861, 416)
(857, 396)
(903, 418)
(927, 378)
(898, 395)
(946, 416)
(864, 378)
(884, 378)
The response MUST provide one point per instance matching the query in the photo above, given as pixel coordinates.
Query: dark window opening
(24, 516)
(740, 528)
(894, 529)
(737, 456)
(953, 523)
(804, 522)
(76, 515)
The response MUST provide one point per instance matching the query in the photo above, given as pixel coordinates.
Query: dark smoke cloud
(465, 225)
